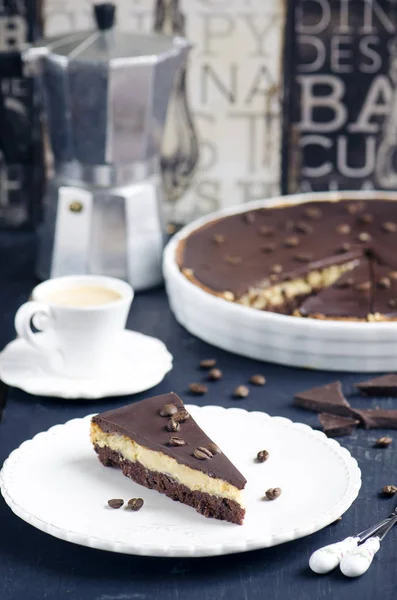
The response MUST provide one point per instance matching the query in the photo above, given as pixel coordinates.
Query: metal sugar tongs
(354, 554)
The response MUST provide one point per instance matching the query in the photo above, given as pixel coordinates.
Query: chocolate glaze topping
(241, 251)
(142, 423)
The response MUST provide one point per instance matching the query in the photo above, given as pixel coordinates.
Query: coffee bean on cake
(168, 410)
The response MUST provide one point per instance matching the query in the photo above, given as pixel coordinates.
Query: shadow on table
(30, 547)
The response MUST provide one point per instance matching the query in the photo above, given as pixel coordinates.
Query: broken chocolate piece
(377, 418)
(386, 385)
(336, 426)
(327, 398)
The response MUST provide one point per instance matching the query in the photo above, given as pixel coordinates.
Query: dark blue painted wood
(35, 566)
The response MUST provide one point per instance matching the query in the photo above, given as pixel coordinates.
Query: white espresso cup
(80, 317)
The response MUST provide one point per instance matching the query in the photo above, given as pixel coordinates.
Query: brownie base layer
(205, 504)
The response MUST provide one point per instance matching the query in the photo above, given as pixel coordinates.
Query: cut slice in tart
(157, 444)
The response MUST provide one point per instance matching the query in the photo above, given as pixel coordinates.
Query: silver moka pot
(105, 104)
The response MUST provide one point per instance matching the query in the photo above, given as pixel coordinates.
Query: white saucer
(140, 362)
(62, 489)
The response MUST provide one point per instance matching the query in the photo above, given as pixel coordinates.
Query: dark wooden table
(34, 565)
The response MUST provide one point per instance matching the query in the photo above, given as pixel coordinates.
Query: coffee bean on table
(115, 503)
(214, 449)
(215, 374)
(258, 380)
(207, 363)
(198, 389)
(273, 493)
(172, 425)
(181, 416)
(262, 456)
(176, 441)
(202, 453)
(383, 442)
(241, 391)
(135, 504)
(168, 410)
(389, 490)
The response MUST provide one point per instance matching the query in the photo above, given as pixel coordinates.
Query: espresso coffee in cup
(80, 318)
(83, 295)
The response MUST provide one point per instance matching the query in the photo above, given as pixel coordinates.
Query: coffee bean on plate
(273, 493)
(135, 504)
(115, 503)
(262, 456)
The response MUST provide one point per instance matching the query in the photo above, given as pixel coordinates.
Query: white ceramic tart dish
(62, 489)
(272, 337)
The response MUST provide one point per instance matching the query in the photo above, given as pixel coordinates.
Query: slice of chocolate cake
(325, 399)
(158, 444)
(350, 295)
(386, 385)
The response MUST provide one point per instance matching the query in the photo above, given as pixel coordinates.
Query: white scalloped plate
(56, 483)
(139, 363)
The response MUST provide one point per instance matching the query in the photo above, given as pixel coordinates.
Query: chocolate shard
(386, 385)
(377, 418)
(327, 398)
(335, 426)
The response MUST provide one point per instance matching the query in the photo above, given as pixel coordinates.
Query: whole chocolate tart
(324, 260)
(157, 444)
